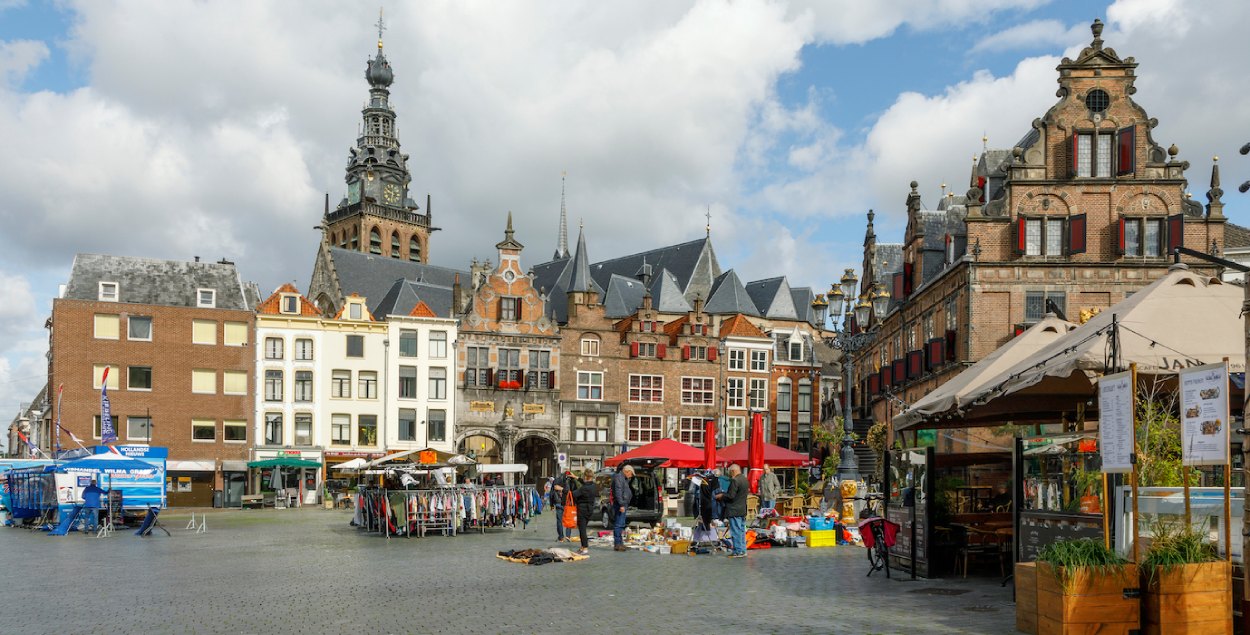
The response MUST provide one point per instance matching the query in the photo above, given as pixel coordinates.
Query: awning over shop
(191, 466)
(678, 454)
(283, 462)
(354, 464)
(502, 468)
(234, 466)
(439, 456)
(950, 396)
(774, 455)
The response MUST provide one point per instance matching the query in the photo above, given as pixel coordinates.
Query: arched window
(355, 240)
(343, 239)
(375, 242)
(414, 249)
(394, 244)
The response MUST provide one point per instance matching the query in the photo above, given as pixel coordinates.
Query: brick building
(1077, 215)
(176, 340)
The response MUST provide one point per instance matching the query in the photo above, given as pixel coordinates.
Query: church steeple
(562, 243)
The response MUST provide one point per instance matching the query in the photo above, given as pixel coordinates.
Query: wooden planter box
(1090, 603)
(1191, 598)
(1026, 597)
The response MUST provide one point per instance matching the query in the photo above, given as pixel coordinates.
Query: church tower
(377, 216)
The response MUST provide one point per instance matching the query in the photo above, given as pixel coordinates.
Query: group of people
(583, 494)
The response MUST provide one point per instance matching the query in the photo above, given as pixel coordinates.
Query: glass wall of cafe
(303, 483)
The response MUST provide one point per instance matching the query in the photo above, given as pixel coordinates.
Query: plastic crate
(679, 546)
(821, 538)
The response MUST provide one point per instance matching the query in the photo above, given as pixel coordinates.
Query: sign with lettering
(1116, 400)
(1204, 415)
(533, 408)
(481, 406)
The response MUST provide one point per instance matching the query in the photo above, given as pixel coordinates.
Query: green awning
(284, 462)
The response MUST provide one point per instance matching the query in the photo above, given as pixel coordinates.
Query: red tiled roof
(422, 310)
(740, 326)
(273, 304)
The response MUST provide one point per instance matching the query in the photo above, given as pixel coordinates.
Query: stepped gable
(740, 326)
(772, 297)
(273, 304)
(730, 296)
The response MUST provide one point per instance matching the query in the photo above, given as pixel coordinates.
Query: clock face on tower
(390, 193)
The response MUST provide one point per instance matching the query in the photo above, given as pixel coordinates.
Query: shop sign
(533, 408)
(426, 457)
(481, 406)
(1204, 415)
(1115, 421)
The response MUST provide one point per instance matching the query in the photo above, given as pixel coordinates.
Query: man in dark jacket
(621, 497)
(734, 499)
(586, 497)
(559, 491)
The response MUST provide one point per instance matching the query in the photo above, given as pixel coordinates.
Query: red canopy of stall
(678, 454)
(774, 455)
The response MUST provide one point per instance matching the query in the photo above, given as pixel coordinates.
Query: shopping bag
(570, 512)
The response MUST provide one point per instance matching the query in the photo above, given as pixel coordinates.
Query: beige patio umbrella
(1182, 319)
(987, 372)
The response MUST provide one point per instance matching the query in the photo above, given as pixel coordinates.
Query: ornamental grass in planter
(1187, 588)
(1083, 587)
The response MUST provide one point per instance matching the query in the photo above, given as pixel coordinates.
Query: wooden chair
(753, 506)
(794, 506)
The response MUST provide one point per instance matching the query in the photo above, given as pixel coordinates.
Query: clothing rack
(444, 510)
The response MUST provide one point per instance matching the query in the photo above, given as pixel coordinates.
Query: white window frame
(759, 361)
(706, 391)
(211, 298)
(735, 429)
(150, 379)
(289, 304)
(590, 347)
(275, 352)
(757, 396)
(437, 385)
(200, 423)
(735, 393)
(583, 433)
(295, 424)
(690, 428)
(304, 349)
(131, 338)
(238, 424)
(737, 359)
(108, 292)
(438, 344)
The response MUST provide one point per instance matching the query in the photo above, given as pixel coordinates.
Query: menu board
(1115, 421)
(1204, 415)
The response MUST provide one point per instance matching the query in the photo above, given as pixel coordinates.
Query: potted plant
(1186, 587)
(1083, 586)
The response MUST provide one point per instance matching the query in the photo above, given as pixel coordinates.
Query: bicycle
(878, 535)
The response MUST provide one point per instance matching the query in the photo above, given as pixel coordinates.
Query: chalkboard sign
(115, 507)
(902, 541)
(1040, 529)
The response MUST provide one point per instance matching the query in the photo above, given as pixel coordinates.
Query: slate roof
(623, 297)
(730, 296)
(157, 282)
(802, 298)
(405, 296)
(681, 260)
(579, 269)
(548, 273)
(374, 277)
(772, 297)
(887, 260)
(666, 295)
(781, 347)
(1236, 236)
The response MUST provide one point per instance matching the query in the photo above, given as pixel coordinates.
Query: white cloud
(856, 22)
(18, 57)
(1038, 33)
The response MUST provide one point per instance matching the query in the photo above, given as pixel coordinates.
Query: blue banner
(107, 433)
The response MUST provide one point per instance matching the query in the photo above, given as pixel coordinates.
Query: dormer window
(108, 292)
(354, 311)
(796, 350)
(290, 304)
(206, 298)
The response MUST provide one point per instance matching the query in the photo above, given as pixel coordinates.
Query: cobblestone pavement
(307, 571)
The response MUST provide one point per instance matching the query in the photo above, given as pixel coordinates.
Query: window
(139, 378)
(340, 384)
(407, 343)
(438, 383)
(539, 375)
(394, 244)
(1043, 237)
(1143, 237)
(407, 382)
(204, 381)
(438, 344)
(303, 385)
(375, 242)
(646, 388)
(803, 440)
(952, 313)
(698, 353)
(1097, 100)
(355, 240)
(203, 332)
(509, 309)
(234, 382)
(108, 292)
(590, 428)
(783, 434)
(139, 328)
(759, 394)
(697, 391)
(206, 298)
(95, 426)
(273, 428)
(796, 350)
(805, 396)
(414, 250)
(290, 304)
(367, 430)
(1035, 303)
(273, 385)
(644, 429)
(340, 429)
(590, 347)
(1093, 155)
(784, 395)
(234, 431)
(690, 430)
(355, 311)
(139, 428)
(368, 388)
(759, 360)
(303, 350)
(107, 326)
(436, 425)
(355, 346)
(509, 376)
(646, 349)
(589, 386)
(735, 429)
(203, 430)
(274, 348)
(407, 424)
(735, 388)
(477, 366)
(737, 359)
(303, 428)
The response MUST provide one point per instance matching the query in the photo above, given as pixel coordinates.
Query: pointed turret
(509, 242)
(1215, 206)
(562, 241)
(581, 281)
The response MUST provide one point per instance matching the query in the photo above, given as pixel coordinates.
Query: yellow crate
(680, 547)
(822, 538)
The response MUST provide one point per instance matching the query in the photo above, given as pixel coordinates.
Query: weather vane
(708, 214)
(381, 27)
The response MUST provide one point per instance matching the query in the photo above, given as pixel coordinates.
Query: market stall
(287, 480)
(1059, 493)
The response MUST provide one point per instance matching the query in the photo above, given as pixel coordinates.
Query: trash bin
(217, 499)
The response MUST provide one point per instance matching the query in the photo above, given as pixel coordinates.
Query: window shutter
(1075, 158)
(490, 376)
(981, 186)
(909, 271)
(1076, 234)
(685, 352)
(633, 349)
(551, 380)
(950, 346)
(1022, 233)
(1176, 232)
(661, 350)
(898, 286)
(711, 353)
(1119, 236)
(1126, 142)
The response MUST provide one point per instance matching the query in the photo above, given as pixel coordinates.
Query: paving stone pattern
(307, 571)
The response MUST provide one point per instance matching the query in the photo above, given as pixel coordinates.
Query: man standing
(769, 489)
(91, 504)
(559, 492)
(735, 500)
(621, 496)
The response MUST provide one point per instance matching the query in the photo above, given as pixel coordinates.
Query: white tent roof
(500, 468)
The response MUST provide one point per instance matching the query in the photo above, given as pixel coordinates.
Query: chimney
(455, 296)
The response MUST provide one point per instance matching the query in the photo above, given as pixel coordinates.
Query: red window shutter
(1075, 154)
(1119, 236)
(1176, 232)
(981, 186)
(1076, 234)
(660, 350)
(633, 349)
(551, 380)
(1022, 233)
(898, 287)
(711, 353)
(909, 271)
(1127, 155)
(685, 352)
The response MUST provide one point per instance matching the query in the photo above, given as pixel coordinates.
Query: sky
(176, 129)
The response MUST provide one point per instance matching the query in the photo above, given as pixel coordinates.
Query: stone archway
(539, 453)
(482, 445)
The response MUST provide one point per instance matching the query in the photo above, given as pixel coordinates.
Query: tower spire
(381, 27)
(708, 228)
(562, 243)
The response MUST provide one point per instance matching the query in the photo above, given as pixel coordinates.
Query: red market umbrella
(755, 452)
(774, 455)
(709, 444)
(678, 454)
